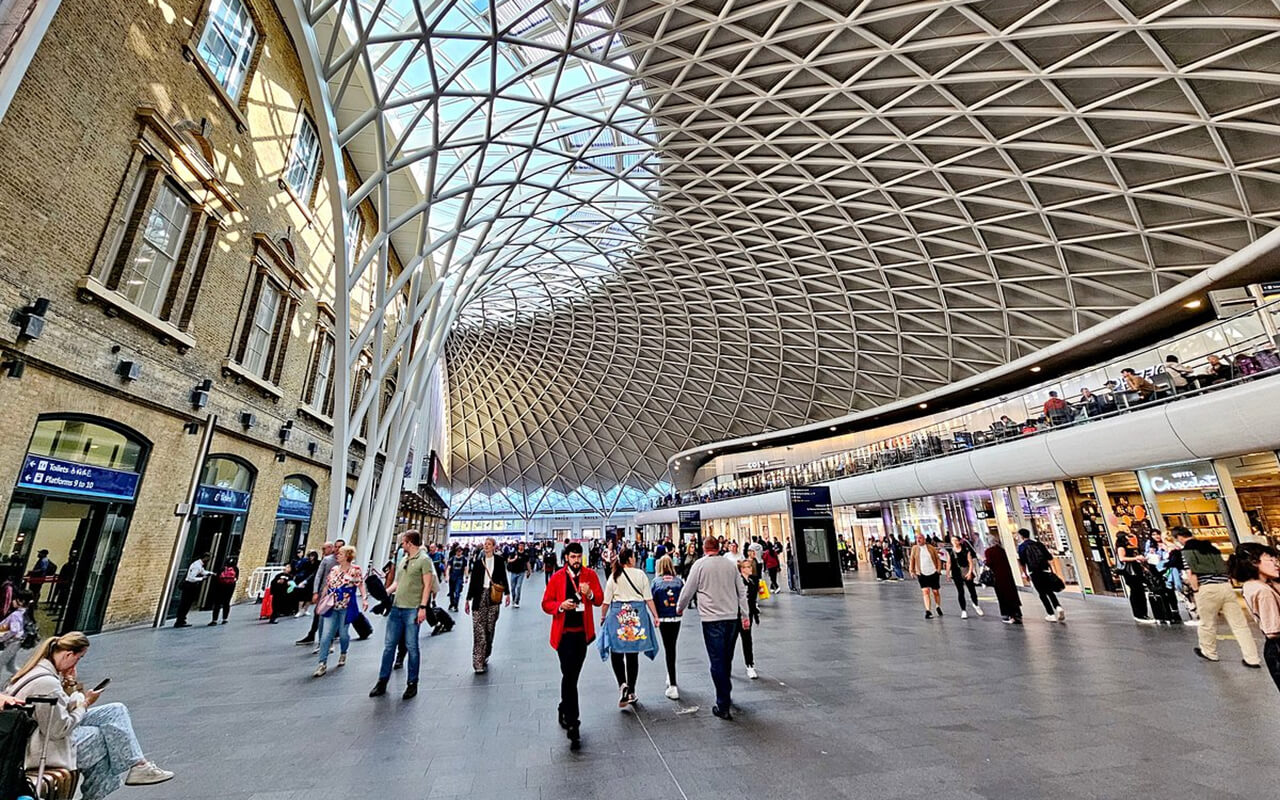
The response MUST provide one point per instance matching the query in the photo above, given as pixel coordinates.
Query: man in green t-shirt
(413, 587)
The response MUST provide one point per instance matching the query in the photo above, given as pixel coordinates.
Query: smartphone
(102, 685)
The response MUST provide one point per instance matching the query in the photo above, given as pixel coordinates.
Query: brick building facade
(175, 134)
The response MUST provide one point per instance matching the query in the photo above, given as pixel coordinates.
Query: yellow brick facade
(73, 142)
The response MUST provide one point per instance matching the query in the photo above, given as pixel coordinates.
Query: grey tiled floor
(859, 697)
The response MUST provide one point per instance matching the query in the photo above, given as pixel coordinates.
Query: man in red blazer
(571, 591)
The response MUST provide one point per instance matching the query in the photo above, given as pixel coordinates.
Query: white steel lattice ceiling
(674, 221)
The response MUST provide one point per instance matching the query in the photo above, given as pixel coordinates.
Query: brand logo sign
(67, 477)
(1183, 480)
(221, 499)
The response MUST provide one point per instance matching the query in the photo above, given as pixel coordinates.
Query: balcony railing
(1214, 357)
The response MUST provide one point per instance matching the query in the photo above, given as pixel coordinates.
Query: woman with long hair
(75, 732)
(338, 607)
(1257, 568)
(666, 592)
(626, 623)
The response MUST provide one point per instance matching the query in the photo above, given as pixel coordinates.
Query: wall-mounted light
(200, 394)
(247, 420)
(30, 318)
(129, 370)
(312, 446)
(13, 368)
(191, 428)
(281, 455)
(286, 432)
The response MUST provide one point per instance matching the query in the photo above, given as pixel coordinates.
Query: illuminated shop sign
(1183, 479)
(484, 525)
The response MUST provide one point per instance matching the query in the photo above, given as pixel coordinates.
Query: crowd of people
(1132, 390)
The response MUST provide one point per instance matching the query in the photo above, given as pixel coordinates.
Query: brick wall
(69, 150)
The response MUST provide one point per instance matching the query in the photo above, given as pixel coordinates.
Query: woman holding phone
(75, 732)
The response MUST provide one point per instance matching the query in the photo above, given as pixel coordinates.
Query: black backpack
(16, 727)
(1036, 556)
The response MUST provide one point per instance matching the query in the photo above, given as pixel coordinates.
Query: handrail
(1248, 335)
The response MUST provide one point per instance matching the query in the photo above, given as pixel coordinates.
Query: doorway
(217, 526)
(81, 542)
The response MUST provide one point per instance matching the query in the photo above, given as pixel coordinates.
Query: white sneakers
(673, 692)
(1062, 613)
(321, 669)
(342, 659)
(977, 608)
(964, 614)
(1051, 618)
(752, 674)
(145, 774)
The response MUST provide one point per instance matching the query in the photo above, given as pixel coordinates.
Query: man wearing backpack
(1036, 561)
(1206, 573)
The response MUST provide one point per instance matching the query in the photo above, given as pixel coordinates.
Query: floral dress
(344, 586)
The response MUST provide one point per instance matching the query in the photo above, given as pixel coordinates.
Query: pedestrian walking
(1006, 588)
(344, 592)
(1133, 568)
(1205, 571)
(1037, 566)
(1257, 567)
(456, 566)
(412, 590)
(752, 584)
(319, 584)
(964, 570)
(666, 597)
(568, 598)
(626, 623)
(771, 566)
(519, 567)
(926, 567)
(13, 632)
(485, 595)
(722, 606)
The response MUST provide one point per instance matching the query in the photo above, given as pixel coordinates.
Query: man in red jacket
(571, 591)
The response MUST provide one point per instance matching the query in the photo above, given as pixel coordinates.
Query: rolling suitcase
(362, 626)
(45, 782)
(439, 620)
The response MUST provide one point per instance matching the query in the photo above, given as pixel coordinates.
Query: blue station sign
(69, 477)
(291, 508)
(221, 500)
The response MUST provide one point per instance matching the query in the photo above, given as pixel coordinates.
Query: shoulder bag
(496, 590)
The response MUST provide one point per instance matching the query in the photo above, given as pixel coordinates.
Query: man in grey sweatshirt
(722, 607)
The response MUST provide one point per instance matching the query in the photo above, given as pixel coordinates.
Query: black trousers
(626, 668)
(1271, 655)
(1137, 595)
(773, 579)
(1048, 598)
(748, 652)
(961, 582)
(190, 591)
(572, 652)
(222, 602)
(669, 631)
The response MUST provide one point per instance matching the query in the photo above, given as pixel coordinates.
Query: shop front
(1189, 495)
(1256, 480)
(293, 519)
(1037, 508)
(217, 524)
(860, 524)
(69, 515)
(1088, 518)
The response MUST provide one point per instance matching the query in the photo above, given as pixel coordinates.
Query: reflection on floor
(858, 697)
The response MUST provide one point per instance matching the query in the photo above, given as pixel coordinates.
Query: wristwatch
(422, 608)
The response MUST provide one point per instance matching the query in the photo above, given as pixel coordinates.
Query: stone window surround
(275, 265)
(237, 107)
(321, 411)
(160, 154)
(304, 204)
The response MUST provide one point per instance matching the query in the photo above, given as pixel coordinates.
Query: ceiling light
(1035, 369)
(832, 428)
(1192, 304)
(924, 405)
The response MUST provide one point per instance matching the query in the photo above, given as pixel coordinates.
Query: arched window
(89, 440)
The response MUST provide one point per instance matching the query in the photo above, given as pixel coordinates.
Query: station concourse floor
(858, 697)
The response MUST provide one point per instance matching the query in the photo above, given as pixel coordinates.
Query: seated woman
(97, 740)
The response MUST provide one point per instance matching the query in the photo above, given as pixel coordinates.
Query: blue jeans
(333, 627)
(402, 625)
(720, 638)
(455, 591)
(517, 580)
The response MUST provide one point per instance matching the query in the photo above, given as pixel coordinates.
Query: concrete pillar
(1237, 519)
(1008, 523)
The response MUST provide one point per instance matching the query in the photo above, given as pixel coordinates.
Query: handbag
(764, 591)
(496, 590)
(325, 607)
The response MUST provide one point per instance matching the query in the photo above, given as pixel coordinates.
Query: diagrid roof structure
(667, 221)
